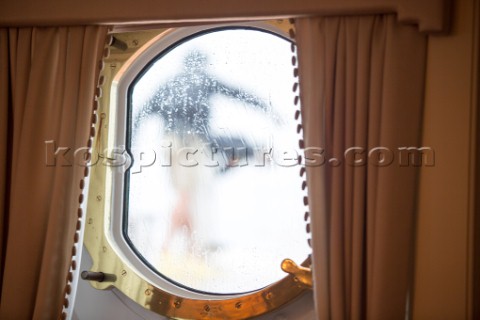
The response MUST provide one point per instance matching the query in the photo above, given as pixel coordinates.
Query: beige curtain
(48, 78)
(362, 82)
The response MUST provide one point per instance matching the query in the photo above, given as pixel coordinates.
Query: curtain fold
(361, 82)
(48, 78)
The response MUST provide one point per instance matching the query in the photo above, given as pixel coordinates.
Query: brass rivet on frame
(177, 304)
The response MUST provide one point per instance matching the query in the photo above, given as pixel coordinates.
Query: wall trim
(429, 15)
(473, 287)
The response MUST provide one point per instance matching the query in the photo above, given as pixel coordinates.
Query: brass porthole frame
(118, 271)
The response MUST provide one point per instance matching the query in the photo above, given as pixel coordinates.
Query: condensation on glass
(214, 201)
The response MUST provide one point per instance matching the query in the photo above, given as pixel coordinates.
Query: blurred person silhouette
(184, 106)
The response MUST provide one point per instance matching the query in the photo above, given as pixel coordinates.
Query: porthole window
(202, 196)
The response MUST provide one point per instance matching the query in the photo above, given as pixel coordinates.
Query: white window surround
(119, 97)
(93, 304)
(116, 137)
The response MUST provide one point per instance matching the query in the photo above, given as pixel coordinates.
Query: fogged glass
(214, 193)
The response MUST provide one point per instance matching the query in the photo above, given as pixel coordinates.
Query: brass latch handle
(302, 275)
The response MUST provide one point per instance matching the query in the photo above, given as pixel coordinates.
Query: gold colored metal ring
(118, 272)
